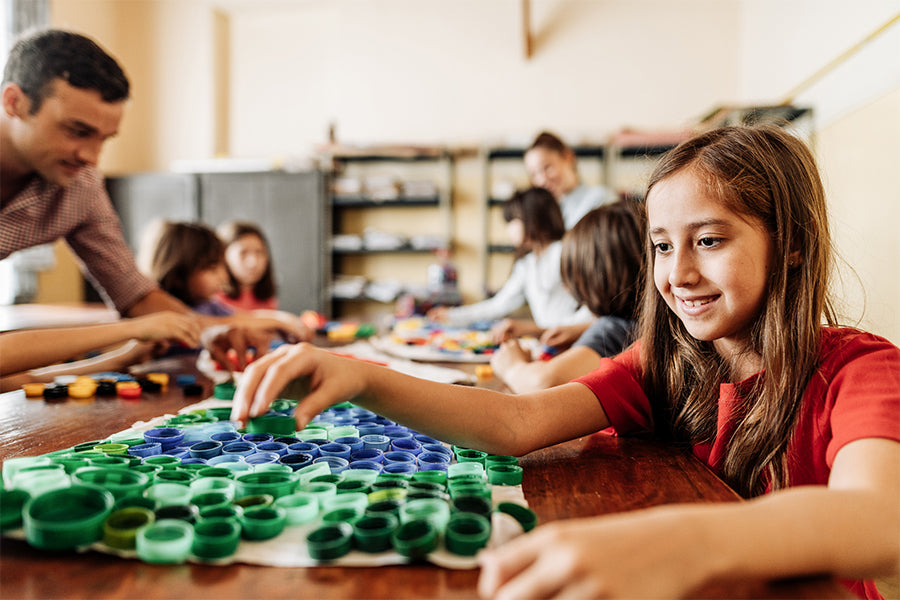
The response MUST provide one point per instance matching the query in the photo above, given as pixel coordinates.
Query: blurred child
(534, 223)
(32, 355)
(601, 267)
(551, 164)
(739, 360)
(251, 277)
(188, 262)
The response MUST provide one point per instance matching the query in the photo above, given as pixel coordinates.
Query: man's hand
(219, 339)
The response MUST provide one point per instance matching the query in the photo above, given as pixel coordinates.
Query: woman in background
(551, 164)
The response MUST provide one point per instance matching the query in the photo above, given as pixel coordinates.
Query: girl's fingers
(247, 388)
(280, 369)
(500, 565)
(540, 577)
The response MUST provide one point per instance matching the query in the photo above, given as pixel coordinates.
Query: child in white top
(534, 222)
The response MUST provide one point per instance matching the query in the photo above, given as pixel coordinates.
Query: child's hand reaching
(437, 314)
(331, 379)
(645, 554)
(562, 336)
(508, 355)
(289, 325)
(167, 325)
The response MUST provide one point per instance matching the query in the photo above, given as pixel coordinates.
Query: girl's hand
(167, 325)
(645, 554)
(290, 326)
(437, 314)
(563, 336)
(504, 330)
(508, 355)
(328, 378)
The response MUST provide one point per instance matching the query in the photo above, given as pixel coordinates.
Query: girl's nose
(683, 271)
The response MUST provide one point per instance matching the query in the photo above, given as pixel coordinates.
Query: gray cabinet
(289, 207)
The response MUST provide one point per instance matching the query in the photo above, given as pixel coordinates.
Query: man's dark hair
(37, 58)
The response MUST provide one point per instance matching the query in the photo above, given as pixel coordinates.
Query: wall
(427, 71)
(430, 72)
(857, 104)
(167, 50)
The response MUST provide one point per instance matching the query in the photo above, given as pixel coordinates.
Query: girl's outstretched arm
(470, 417)
(29, 349)
(850, 529)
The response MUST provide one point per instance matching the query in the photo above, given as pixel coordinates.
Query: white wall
(857, 114)
(785, 44)
(430, 71)
(167, 49)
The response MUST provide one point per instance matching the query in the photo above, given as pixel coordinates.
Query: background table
(593, 475)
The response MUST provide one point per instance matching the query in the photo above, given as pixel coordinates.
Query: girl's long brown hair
(765, 174)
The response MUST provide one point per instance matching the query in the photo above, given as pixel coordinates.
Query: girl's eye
(709, 242)
(662, 247)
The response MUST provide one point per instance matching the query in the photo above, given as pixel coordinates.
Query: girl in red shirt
(733, 362)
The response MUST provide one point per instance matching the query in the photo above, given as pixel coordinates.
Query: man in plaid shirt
(62, 98)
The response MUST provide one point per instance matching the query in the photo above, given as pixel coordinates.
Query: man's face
(66, 134)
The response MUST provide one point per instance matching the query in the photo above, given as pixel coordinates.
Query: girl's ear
(795, 259)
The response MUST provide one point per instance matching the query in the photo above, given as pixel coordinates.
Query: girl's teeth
(694, 303)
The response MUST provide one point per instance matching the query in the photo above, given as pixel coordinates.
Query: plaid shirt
(83, 215)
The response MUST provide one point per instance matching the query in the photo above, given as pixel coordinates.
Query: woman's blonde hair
(769, 176)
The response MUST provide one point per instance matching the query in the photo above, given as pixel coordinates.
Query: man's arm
(156, 301)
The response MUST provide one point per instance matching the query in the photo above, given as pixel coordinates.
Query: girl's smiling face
(711, 264)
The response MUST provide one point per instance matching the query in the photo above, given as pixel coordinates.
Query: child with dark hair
(188, 262)
(534, 222)
(251, 277)
(601, 266)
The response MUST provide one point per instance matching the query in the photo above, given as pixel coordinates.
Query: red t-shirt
(854, 395)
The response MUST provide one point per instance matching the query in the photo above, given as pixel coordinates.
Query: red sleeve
(863, 372)
(616, 383)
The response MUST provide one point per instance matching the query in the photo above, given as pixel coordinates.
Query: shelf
(360, 158)
(639, 151)
(593, 151)
(361, 201)
(501, 248)
(423, 178)
(403, 250)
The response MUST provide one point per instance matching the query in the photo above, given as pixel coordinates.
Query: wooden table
(594, 475)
